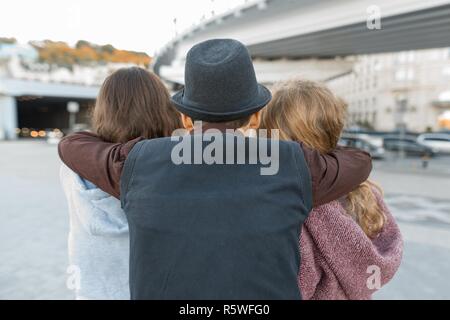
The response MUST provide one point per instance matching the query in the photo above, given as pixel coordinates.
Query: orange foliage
(60, 53)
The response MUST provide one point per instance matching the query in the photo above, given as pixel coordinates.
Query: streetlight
(402, 107)
(213, 12)
(73, 108)
(175, 30)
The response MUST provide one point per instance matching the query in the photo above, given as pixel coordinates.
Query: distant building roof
(24, 51)
(16, 87)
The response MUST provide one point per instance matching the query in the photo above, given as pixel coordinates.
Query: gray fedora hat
(220, 83)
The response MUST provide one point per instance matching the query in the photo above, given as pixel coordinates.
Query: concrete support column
(8, 118)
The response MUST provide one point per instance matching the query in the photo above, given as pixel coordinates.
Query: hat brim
(260, 101)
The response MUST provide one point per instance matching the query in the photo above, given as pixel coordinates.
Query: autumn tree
(86, 53)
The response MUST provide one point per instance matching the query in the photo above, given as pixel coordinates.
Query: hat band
(246, 106)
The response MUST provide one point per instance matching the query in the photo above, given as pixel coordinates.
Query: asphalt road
(34, 225)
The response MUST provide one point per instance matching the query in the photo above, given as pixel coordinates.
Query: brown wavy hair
(134, 102)
(308, 111)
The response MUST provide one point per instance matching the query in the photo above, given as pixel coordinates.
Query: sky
(140, 25)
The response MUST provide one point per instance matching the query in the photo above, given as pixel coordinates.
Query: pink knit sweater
(336, 254)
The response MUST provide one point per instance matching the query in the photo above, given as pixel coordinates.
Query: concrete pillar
(8, 118)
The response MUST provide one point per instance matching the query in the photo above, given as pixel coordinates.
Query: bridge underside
(417, 30)
(42, 113)
(40, 105)
(420, 26)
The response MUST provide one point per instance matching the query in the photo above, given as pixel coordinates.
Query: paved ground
(34, 225)
(420, 200)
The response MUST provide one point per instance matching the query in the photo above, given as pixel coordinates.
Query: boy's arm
(337, 173)
(333, 175)
(95, 160)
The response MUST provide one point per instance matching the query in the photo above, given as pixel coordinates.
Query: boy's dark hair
(235, 124)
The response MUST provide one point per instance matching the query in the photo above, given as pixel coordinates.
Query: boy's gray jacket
(214, 231)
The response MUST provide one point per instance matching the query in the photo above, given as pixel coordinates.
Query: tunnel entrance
(48, 113)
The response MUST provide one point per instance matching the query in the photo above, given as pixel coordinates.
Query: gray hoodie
(98, 240)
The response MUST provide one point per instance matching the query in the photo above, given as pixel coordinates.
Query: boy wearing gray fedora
(217, 230)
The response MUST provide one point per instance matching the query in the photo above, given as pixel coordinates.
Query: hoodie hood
(99, 213)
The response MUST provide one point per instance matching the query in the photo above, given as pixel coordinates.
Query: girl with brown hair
(132, 104)
(344, 241)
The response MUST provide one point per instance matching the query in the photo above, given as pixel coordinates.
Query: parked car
(361, 142)
(439, 142)
(408, 144)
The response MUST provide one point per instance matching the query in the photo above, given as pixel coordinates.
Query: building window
(403, 74)
(406, 56)
(402, 57)
(377, 65)
(400, 75)
(446, 70)
(434, 55)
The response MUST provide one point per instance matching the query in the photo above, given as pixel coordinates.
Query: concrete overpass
(316, 29)
(25, 102)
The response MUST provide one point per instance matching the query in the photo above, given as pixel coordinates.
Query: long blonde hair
(309, 112)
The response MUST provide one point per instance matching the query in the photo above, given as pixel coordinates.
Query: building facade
(393, 90)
